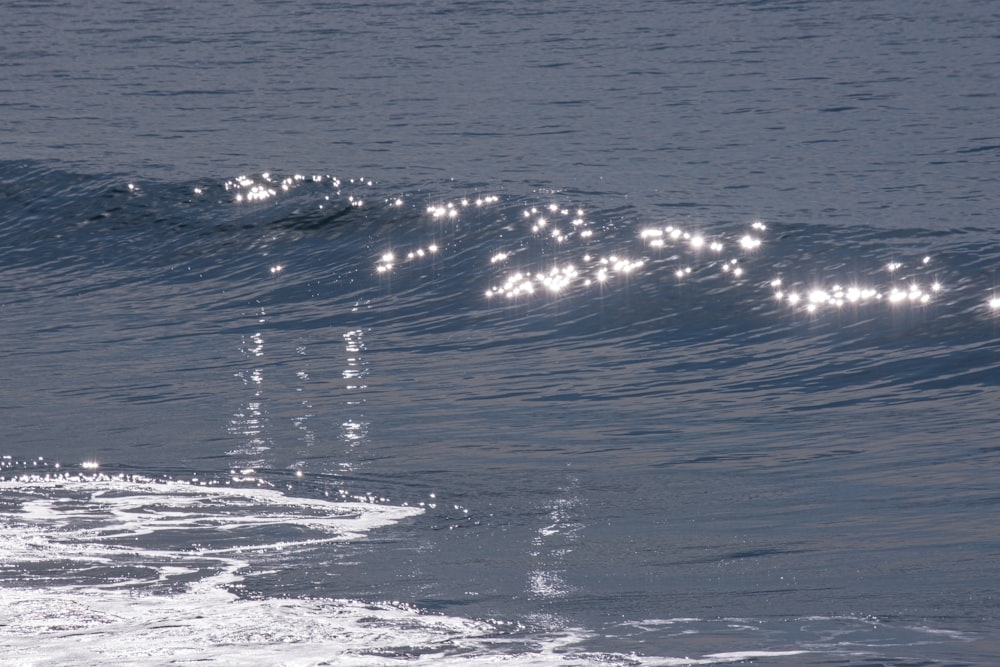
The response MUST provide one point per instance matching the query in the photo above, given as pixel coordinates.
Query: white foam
(45, 627)
(727, 658)
(132, 571)
(159, 533)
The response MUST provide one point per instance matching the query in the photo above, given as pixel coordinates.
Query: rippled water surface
(466, 333)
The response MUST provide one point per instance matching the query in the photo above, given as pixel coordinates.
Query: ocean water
(462, 333)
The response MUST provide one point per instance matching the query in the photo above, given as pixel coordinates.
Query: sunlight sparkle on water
(545, 227)
(387, 262)
(565, 249)
(835, 296)
(450, 210)
(913, 292)
(555, 280)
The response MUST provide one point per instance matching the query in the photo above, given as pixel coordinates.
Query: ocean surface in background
(461, 333)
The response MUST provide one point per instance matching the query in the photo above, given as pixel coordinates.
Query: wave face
(335, 420)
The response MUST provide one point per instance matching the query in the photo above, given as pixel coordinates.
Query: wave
(521, 251)
(714, 315)
(709, 313)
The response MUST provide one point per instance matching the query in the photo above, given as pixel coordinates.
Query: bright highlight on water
(916, 287)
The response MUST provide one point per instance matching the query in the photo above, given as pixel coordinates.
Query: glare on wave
(658, 237)
(554, 280)
(682, 240)
(696, 250)
(387, 261)
(838, 296)
(732, 266)
(570, 258)
(449, 210)
(266, 187)
(8, 462)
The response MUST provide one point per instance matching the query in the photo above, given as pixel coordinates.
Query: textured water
(465, 333)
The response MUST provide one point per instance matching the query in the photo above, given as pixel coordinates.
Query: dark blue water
(475, 333)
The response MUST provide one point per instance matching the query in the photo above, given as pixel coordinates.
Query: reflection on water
(302, 420)
(552, 543)
(250, 422)
(354, 429)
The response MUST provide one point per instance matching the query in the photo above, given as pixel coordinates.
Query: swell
(431, 274)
